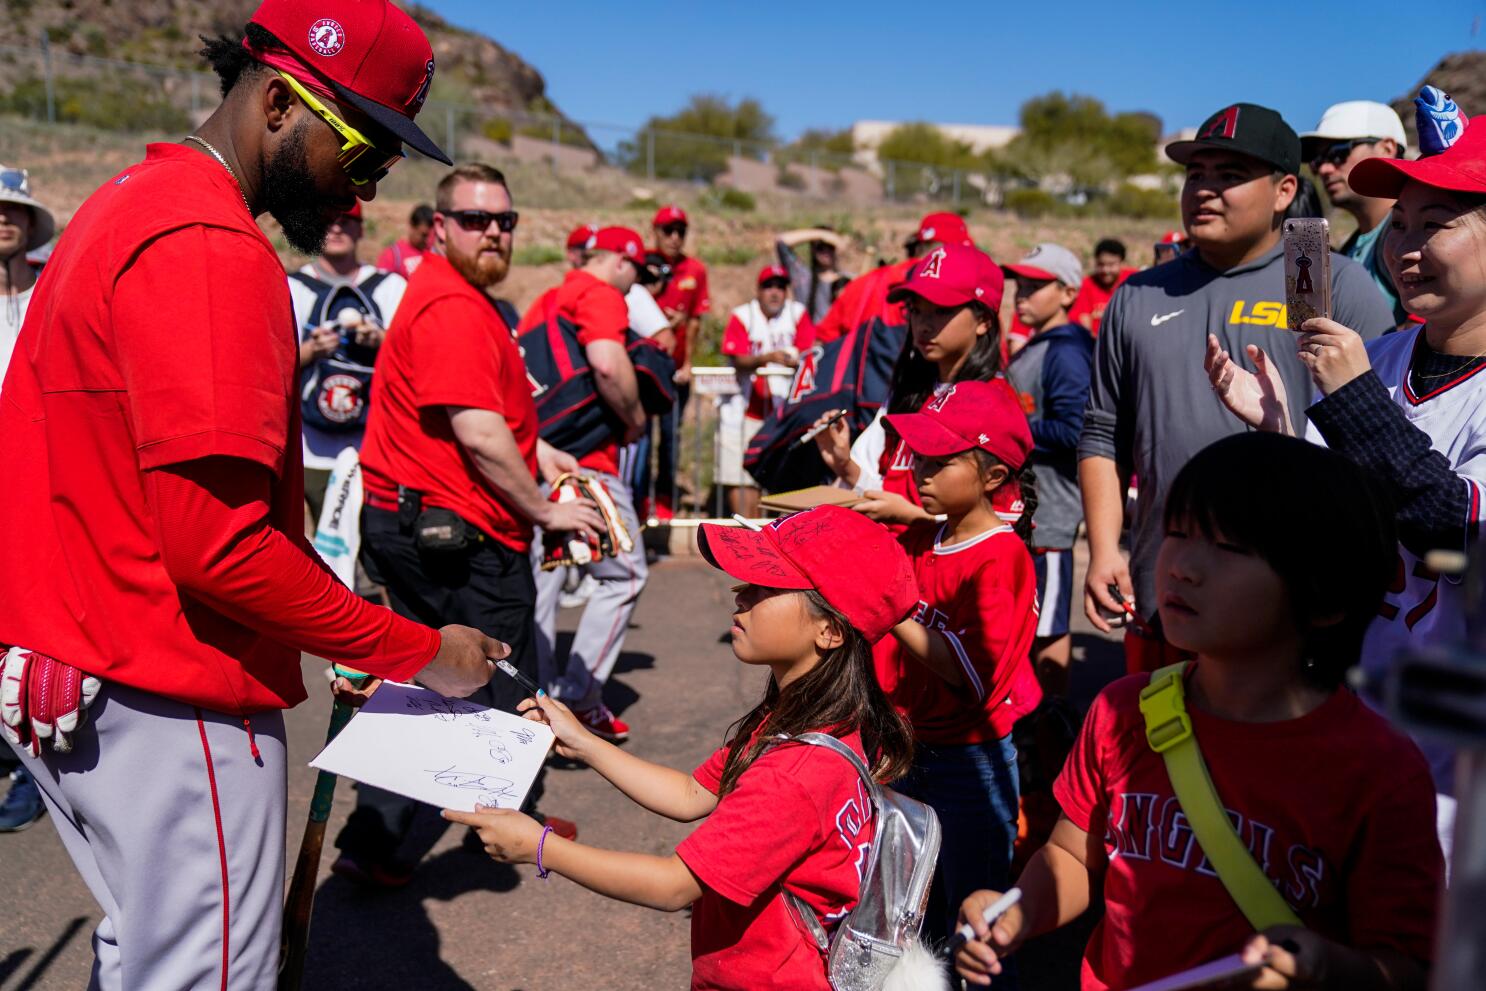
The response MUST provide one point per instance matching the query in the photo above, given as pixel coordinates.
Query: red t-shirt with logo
(599, 312)
(686, 293)
(981, 593)
(1092, 299)
(402, 257)
(1337, 806)
(161, 334)
(798, 818)
(864, 298)
(447, 346)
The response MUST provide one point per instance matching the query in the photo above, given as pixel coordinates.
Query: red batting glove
(42, 698)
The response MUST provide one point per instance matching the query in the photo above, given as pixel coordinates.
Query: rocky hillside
(1462, 75)
(472, 69)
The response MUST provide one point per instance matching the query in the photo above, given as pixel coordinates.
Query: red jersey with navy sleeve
(686, 294)
(981, 593)
(1336, 806)
(799, 818)
(599, 312)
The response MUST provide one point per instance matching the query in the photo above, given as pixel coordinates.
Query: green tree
(695, 142)
(925, 144)
(1075, 136)
(827, 149)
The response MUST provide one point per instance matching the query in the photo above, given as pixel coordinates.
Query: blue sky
(826, 64)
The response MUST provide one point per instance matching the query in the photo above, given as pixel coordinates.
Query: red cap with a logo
(968, 415)
(1460, 168)
(769, 272)
(953, 275)
(946, 228)
(855, 564)
(621, 241)
(669, 214)
(581, 235)
(368, 53)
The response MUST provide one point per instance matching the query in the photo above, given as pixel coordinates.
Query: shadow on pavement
(370, 938)
(12, 963)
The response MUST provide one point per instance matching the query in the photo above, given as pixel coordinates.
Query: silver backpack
(873, 937)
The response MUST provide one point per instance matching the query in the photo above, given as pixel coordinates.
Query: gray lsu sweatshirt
(1151, 407)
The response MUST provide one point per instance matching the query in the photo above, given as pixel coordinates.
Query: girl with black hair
(778, 815)
(952, 298)
(1336, 807)
(960, 668)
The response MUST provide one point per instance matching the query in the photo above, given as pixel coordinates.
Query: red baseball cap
(366, 52)
(854, 563)
(946, 228)
(953, 275)
(582, 235)
(1173, 237)
(772, 272)
(1460, 168)
(621, 241)
(967, 415)
(669, 214)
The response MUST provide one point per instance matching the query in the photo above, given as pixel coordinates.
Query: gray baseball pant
(178, 831)
(600, 634)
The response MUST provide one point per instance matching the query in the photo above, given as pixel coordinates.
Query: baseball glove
(568, 549)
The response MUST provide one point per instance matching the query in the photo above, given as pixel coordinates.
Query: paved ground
(466, 922)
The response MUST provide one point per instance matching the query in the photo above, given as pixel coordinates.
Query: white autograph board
(451, 753)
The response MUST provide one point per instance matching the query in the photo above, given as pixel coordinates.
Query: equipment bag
(872, 939)
(853, 373)
(335, 392)
(1168, 731)
(571, 414)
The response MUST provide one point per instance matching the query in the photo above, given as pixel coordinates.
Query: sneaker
(566, 828)
(369, 874)
(580, 593)
(663, 511)
(603, 724)
(23, 804)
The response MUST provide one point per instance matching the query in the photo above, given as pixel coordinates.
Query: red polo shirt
(152, 515)
(447, 346)
(686, 293)
(599, 312)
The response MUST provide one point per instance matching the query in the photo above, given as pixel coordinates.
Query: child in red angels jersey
(1335, 806)
(777, 815)
(959, 669)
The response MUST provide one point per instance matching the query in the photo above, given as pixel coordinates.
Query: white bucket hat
(15, 187)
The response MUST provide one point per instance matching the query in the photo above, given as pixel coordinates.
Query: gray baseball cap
(15, 187)
(1048, 261)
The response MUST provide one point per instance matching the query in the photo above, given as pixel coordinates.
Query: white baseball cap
(15, 187)
(1049, 261)
(1355, 119)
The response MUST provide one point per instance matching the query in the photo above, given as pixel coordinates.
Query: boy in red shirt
(403, 256)
(779, 817)
(959, 668)
(1335, 806)
(592, 299)
(1093, 296)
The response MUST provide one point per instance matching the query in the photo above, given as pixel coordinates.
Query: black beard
(290, 197)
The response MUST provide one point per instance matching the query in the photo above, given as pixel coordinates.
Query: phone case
(1307, 270)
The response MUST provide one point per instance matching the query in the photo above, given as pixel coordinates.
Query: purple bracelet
(542, 872)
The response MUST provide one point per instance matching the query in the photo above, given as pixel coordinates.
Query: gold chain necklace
(223, 162)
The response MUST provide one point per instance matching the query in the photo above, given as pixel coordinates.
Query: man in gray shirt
(1151, 407)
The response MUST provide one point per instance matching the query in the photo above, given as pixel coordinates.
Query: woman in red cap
(1409, 406)
(777, 817)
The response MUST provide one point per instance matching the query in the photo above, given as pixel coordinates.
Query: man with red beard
(450, 462)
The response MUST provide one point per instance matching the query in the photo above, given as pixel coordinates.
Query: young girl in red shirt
(959, 668)
(777, 815)
(1272, 594)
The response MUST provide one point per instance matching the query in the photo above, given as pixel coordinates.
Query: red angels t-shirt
(981, 593)
(864, 298)
(447, 346)
(1337, 806)
(686, 293)
(1092, 299)
(750, 332)
(599, 312)
(799, 818)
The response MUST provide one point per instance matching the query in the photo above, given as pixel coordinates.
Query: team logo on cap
(1224, 124)
(937, 403)
(932, 264)
(327, 37)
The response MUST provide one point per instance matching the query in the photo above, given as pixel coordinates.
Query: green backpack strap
(1168, 730)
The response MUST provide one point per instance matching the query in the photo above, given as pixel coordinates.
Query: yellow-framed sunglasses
(362, 160)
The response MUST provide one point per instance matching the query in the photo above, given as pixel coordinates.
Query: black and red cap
(1248, 129)
(367, 53)
(855, 564)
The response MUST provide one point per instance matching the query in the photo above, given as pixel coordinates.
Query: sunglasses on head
(362, 160)
(1338, 153)
(674, 229)
(479, 220)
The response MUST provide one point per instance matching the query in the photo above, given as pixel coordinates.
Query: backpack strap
(1168, 731)
(555, 338)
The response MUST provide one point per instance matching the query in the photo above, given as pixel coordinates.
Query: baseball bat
(294, 938)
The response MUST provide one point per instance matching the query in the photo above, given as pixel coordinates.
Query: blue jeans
(973, 789)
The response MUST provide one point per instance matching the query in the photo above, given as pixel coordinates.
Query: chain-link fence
(46, 83)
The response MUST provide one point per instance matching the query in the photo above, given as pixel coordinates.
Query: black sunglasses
(479, 220)
(674, 229)
(774, 284)
(1337, 154)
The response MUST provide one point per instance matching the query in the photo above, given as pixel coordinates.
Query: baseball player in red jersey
(152, 558)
